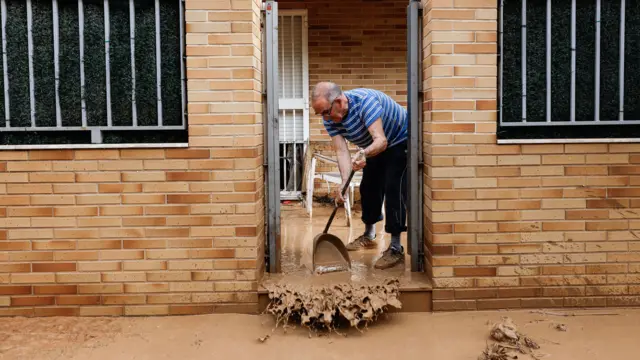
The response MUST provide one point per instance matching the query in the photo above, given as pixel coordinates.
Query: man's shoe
(390, 258)
(362, 242)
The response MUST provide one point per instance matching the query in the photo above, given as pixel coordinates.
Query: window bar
(621, 72)
(32, 97)
(158, 63)
(182, 75)
(500, 76)
(597, 76)
(524, 60)
(293, 95)
(132, 35)
(7, 114)
(83, 103)
(548, 61)
(107, 39)
(573, 61)
(56, 61)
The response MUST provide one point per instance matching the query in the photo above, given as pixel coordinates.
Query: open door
(415, 241)
(272, 146)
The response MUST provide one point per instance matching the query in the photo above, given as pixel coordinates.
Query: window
(81, 72)
(568, 70)
(293, 99)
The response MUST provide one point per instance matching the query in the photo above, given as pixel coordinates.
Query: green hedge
(94, 62)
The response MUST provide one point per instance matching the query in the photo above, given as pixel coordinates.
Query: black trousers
(384, 178)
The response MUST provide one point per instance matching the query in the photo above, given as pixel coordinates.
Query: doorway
(378, 46)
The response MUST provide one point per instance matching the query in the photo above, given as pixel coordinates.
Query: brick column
(225, 106)
(460, 116)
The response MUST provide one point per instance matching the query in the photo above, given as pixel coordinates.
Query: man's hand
(358, 161)
(338, 195)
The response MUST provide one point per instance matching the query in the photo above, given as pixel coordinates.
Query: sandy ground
(440, 336)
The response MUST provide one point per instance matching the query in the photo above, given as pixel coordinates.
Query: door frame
(415, 219)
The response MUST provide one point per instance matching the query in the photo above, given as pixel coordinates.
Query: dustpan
(329, 253)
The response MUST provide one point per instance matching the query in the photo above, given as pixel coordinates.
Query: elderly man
(376, 124)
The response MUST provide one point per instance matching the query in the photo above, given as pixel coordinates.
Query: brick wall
(360, 43)
(149, 231)
(515, 226)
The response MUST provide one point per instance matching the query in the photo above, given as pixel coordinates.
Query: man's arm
(344, 159)
(379, 143)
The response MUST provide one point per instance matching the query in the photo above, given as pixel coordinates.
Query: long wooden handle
(335, 209)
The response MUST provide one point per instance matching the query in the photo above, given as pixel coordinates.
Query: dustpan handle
(335, 209)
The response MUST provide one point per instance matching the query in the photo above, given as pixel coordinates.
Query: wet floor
(298, 231)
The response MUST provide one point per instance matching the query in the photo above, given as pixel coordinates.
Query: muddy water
(298, 231)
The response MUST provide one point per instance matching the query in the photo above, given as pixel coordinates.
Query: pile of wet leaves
(509, 342)
(331, 307)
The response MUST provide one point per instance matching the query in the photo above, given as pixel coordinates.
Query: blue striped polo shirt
(365, 107)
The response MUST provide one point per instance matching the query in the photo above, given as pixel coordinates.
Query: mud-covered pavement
(441, 336)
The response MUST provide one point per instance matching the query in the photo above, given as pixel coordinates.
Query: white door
(293, 104)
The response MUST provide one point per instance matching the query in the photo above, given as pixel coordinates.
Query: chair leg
(347, 209)
(310, 181)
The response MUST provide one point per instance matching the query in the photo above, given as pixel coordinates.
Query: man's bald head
(325, 90)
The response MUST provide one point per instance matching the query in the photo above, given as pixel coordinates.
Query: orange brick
(518, 182)
(55, 289)
(77, 277)
(142, 154)
(168, 254)
(29, 211)
(563, 226)
(519, 204)
(498, 215)
(100, 289)
(144, 221)
(144, 265)
(75, 211)
(53, 267)
(119, 188)
(454, 238)
(29, 188)
(17, 166)
(541, 193)
(498, 238)
(167, 210)
(543, 214)
(51, 177)
(100, 266)
(497, 172)
(123, 299)
(542, 171)
(121, 210)
(146, 288)
(143, 176)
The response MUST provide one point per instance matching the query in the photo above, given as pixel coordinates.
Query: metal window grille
(552, 66)
(293, 100)
(118, 65)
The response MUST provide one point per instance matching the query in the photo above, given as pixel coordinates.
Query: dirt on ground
(589, 335)
(326, 308)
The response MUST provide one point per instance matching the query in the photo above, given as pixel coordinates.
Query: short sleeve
(371, 110)
(331, 129)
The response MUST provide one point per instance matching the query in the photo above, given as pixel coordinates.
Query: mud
(509, 342)
(298, 232)
(441, 336)
(329, 308)
(28, 338)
